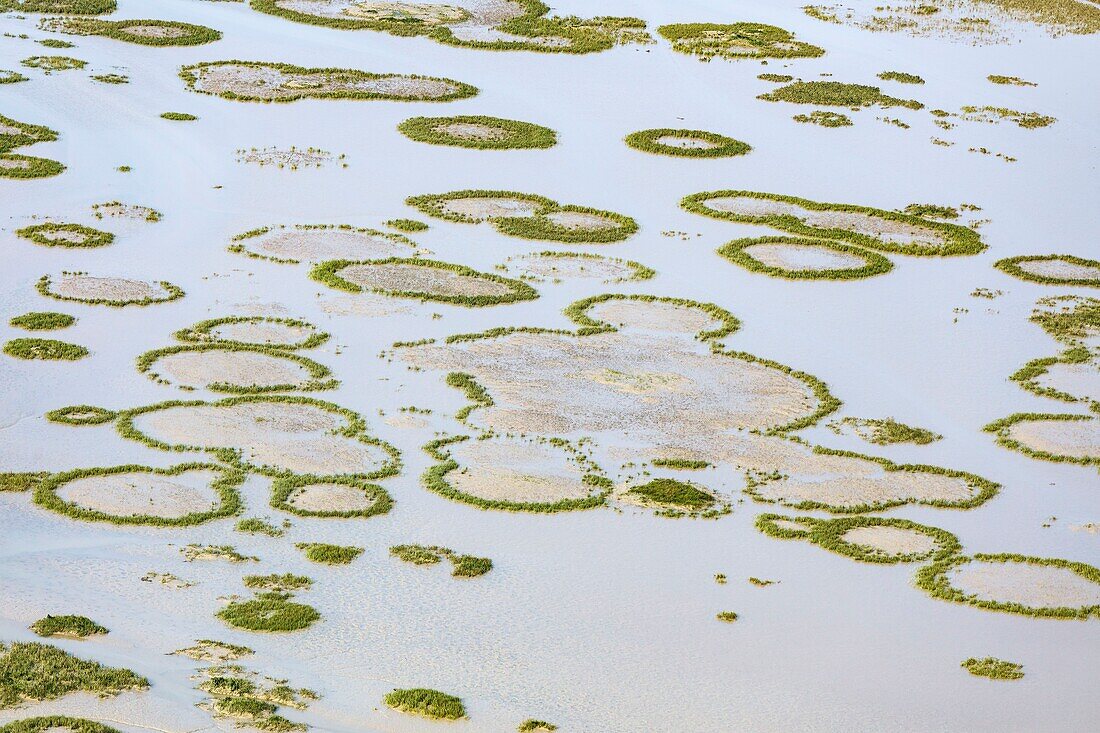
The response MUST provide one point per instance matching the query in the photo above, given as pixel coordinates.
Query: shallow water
(598, 620)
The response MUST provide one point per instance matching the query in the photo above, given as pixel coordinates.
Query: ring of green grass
(200, 333)
(829, 534)
(328, 274)
(19, 481)
(960, 240)
(647, 141)
(92, 237)
(27, 134)
(174, 292)
(40, 349)
(319, 373)
(733, 41)
(1011, 265)
(876, 264)
(933, 579)
(638, 270)
(1001, 427)
(34, 672)
(53, 63)
(64, 7)
(190, 78)
(10, 76)
(407, 225)
(116, 29)
(226, 487)
(239, 248)
(283, 487)
(271, 612)
(426, 703)
(93, 415)
(519, 134)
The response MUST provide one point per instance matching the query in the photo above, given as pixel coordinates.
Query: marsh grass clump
(178, 116)
(50, 64)
(255, 525)
(50, 723)
(55, 43)
(17, 134)
(42, 321)
(285, 583)
(111, 78)
(144, 32)
(228, 553)
(81, 415)
(210, 332)
(680, 464)
(463, 566)
(52, 234)
(63, 7)
(803, 258)
(727, 617)
(10, 76)
(736, 41)
(825, 118)
(71, 626)
(1011, 80)
(1052, 269)
(327, 554)
(44, 349)
(33, 672)
(901, 77)
(79, 287)
(775, 78)
(536, 726)
(21, 481)
(670, 492)
(932, 211)
(993, 668)
(208, 650)
(886, 431)
(252, 700)
(836, 94)
(407, 225)
(427, 703)
(269, 611)
(686, 143)
(478, 131)
(761, 583)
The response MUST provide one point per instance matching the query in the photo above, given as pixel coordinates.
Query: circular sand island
(478, 131)
(1062, 438)
(736, 40)
(254, 81)
(1053, 269)
(319, 243)
(867, 539)
(267, 331)
(802, 258)
(234, 368)
(52, 234)
(80, 287)
(568, 266)
(191, 493)
(686, 143)
(329, 496)
(144, 32)
(422, 279)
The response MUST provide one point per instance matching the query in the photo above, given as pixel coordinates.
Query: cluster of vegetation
(836, 94)
(130, 211)
(50, 64)
(727, 617)
(669, 492)
(44, 349)
(716, 145)
(55, 43)
(209, 650)
(172, 292)
(427, 703)
(934, 579)
(319, 374)
(111, 78)
(203, 332)
(825, 118)
(67, 625)
(42, 321)
(501, 133)
(285, 583)
(901, 77)
(775, 78)
(1071, 319)
(178, 116)
(537, 226)
(533, 30)
(228, 553)
(10, 76)
(829, 534)
(49, 723)
(932, 211)
(269, 611)
(1002, 430)
(463, 566)
(30, 671)
(955, 240)
(736, 41)
(13, 165)
(328, 273)
(329, 554)
(64, 7)
(81, 415)
(1011, 265)
(885, 431)
(255, 525)
(52, 234)
(993, 668)
(344, 80)
(283, 488)
(680, 464)
(17, 481)
(531, 725)
(1028, 375)
(226, 486)
(874, 263)
(1012, 80)
(173, 33)
(407, 225)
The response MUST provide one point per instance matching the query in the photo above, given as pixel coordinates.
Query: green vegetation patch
(111, 79)
(51, 234)
(44, 349)
(285, 583)
(144, 32)
(739, 253)
(31, 672)
(901, 77)
(775, 78)
(1063, 269)
(50, 64)
(78, 626)
(16, 481)
(1002, 430)
(825, 118)
(1068, 318)
(204, 332)
(427, 703)
(736, 41)
(407, 225)
(319, 374)
(516, 290)
(667, 492)
(1012, 80)
(898, 540)
(329, 554)
(727, 617)
(478, 131)
(836, 94)
(932, 211)
(816, 219)
(680, 464)
(10, 76)
(15, 134)
(56, 722)
(993, 668)
(546, 219)
(686, 143)
(532, 725)
(885, 431)
(65, 7)
(42, 321)
(463, 566)
(269, 611)
(255, 525)
(178, 116)
(171, 292)
(81, 415)
(284, 488)
(225, 486)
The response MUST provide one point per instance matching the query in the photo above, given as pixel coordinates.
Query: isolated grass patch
(329, 554)
(226, 487)
(171, 292)
(736, 40)
(478, 131)
(284, 583)
(79, 626)
(1011, 265)
(178, 116)
(1028, 375)
(775, 78)
(31, 672)
(875, 264)
(427, 703)
(81, 415)
(42, 321)
(144, 32)
(993, 668)
(284, 487)
(269, 611)
(825, 118)
(886, 431)
(10, 76)
(111, 78)
(51, 234)
(407, 225)
(462, 566)
(900, 76)
(44, 349)
(13, 165)
(836, 94)
(49, 723)
(713, 145)
(16, 481)
(536, 726)
(680, 464)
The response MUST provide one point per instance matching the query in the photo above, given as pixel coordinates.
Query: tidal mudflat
(489, 366)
